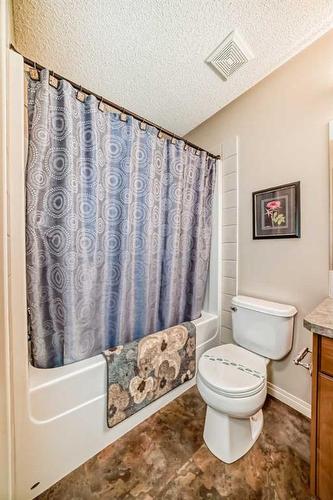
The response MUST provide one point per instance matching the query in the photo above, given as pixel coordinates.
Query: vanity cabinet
(322, 418)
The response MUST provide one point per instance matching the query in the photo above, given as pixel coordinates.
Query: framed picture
(276, 212)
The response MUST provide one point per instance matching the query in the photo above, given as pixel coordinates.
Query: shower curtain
(118, 227)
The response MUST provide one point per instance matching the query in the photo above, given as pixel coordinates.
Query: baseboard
(290, 400)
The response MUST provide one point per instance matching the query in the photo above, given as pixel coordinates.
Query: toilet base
(229, 438)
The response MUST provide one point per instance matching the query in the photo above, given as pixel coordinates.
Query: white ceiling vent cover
(230, 55)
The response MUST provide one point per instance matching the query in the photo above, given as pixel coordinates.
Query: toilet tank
(263, 327)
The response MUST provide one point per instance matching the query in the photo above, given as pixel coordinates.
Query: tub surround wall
(229, 175)
(282, 125)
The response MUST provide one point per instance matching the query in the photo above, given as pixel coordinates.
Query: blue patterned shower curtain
(118, 227)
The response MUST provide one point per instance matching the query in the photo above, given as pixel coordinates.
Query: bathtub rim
(40, 377)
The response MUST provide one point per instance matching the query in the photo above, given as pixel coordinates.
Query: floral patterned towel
(146, 369)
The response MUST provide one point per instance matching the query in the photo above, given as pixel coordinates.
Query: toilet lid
(233, 370)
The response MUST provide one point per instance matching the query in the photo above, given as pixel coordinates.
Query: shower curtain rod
(35, 65)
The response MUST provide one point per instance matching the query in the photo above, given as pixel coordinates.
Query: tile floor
(165, 458)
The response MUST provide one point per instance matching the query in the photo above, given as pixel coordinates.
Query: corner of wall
(6, 455)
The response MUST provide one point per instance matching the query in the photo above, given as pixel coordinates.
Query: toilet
(232, 378)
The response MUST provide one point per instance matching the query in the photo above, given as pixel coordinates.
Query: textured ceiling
(149, 55)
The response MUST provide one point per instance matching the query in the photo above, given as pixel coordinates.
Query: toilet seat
(231, 371)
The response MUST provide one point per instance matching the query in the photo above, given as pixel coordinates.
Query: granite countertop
(320, 320)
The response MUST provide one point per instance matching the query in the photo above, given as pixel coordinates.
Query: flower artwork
(276, 212)
(144, 370)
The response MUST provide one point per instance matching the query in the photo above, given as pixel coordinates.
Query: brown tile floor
(165, 458)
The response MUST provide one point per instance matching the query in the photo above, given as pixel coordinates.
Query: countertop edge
(320, 320)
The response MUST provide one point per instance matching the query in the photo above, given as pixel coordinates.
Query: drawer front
(326, 356)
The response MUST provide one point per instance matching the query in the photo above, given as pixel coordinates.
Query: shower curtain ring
(173, 140)
(143, 125)
(185, 145)
(33, 72)
(53, 80)
(160, 134)
(123, 115)
(80, 96)
(101, 106)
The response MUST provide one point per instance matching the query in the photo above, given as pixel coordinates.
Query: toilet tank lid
(264, 306)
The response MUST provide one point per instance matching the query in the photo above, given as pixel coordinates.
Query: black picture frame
(276, 212)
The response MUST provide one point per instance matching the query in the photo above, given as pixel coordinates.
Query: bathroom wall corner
(6, 436)
(330, 284)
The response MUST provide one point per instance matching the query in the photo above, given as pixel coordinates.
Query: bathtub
(63, 419)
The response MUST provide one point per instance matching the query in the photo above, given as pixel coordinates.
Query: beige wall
(282, 125)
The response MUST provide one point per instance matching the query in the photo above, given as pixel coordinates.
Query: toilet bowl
(232, 380)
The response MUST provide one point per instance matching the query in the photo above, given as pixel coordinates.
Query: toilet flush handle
(233, 308)
(299, 358)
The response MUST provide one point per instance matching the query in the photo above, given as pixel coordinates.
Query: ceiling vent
(230, 55)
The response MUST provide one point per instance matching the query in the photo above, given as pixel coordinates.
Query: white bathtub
(63, 422)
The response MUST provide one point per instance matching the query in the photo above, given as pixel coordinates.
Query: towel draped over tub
(144, 370)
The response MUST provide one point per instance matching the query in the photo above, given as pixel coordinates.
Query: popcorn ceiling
(150, 56)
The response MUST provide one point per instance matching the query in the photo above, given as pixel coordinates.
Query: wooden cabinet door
(325, 438)
(326, 360)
